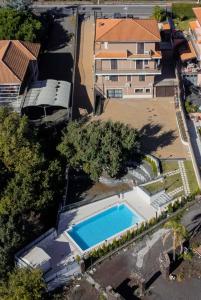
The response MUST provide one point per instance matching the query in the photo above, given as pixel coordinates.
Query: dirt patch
(156, 121)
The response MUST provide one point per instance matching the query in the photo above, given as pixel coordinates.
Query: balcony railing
(145, 71)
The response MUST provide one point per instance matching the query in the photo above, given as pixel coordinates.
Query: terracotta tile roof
(197, 12)
(188, 53)
(112, 54)
(193, 25)
(127, 30)
(34, 48)
(127, 54)
(14, 59)
(156, 54)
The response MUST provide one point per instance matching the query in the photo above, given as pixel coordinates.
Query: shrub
(159, 13)
(180, 276)
(190, 108)
(153, 165)
(188, 256)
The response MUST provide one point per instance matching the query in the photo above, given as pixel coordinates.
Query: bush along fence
(107, 250)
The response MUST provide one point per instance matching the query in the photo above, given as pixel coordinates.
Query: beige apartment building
(127, 57)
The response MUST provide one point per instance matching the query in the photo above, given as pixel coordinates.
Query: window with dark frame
(113, 64)
(139, 91)
(114, 93)
(140, 48)
(129, 78)
(113, 77)
(141, 77)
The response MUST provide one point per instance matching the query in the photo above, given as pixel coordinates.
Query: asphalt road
(140, 11)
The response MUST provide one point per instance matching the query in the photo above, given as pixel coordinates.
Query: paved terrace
(156, 121)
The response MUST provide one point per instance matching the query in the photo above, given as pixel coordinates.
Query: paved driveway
(156, 121)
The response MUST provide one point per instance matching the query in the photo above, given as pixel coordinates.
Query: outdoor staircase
(162, 200)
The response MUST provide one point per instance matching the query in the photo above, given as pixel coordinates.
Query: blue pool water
(103, 225)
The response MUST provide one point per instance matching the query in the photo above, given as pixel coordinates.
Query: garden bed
(169, 166)
(191, 176)
(169, 184)
(182, 130)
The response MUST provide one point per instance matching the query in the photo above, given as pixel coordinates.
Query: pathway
(173, 193)
(172, 173)
(184, 177)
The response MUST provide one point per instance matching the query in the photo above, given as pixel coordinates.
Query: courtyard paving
(155, 120)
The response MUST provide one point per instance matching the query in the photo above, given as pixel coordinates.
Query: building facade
(126, 57)
(190, 52)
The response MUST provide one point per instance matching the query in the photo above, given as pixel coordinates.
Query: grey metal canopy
(48, 93)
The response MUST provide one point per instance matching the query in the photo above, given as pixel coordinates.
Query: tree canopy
(159, 13)
(19, 4)
(179, 233)
(22, 284)
(30, 185)
(19, 25)
(99, 146)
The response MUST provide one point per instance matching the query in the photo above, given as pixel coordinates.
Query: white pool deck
(132, 198)
(62, 250)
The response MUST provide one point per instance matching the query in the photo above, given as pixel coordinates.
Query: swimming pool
(102, 226)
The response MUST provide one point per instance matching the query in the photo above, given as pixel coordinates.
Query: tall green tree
(179, 233)
(159, 13)
(19, 25)
(31, 185)
(19, 4)
(99, 147)
(22, 284)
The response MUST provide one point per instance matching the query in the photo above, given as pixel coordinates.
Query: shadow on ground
(52, 66)
(126, 291)
(152, 139)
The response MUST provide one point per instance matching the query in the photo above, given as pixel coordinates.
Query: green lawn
(173, 182)
(169, 184)
(191, 176)
(168, 166)
(154, 187)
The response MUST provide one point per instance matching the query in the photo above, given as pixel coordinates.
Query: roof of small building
(166, 26)
(127, 30)
(188, 52)
(36, 257)
(48, 93)
(14, 59)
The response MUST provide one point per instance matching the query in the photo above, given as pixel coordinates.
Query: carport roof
(48, 93)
